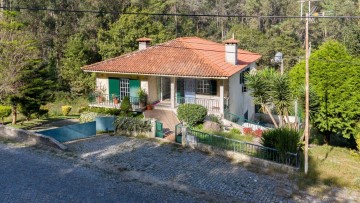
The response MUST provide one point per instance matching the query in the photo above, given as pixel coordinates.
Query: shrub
(282, 139)
(132, 124)
(42, 112)
(258, 132)
(66, 110)
(192, 114)
(247, 131)
(214, 118)
(88, 117)
(5, 111)
(235, 131)
(125, 106)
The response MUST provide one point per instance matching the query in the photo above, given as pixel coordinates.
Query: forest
(55, 38)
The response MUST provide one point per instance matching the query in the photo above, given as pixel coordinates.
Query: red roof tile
(187, 56)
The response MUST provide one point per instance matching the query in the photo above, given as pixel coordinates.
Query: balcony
(212, 105)
(112, 101)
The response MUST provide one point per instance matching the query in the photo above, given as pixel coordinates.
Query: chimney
(144, 43)
(231, 51)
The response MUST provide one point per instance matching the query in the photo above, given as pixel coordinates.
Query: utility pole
(307, 127)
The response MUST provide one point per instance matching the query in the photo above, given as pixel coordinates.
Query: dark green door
(159, 129)
(134, 87)
(114, 87)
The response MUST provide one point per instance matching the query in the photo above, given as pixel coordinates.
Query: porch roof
(186, 57)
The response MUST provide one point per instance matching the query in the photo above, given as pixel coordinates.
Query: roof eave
(154, 74)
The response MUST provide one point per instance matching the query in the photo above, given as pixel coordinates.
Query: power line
(176, 14)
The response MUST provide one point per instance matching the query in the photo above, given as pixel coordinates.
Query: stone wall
(28, 137)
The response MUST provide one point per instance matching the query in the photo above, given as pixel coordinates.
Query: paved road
(27, 175)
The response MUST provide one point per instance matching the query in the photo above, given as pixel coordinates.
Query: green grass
(55, 107)
(331, 167)
(28, 125)
(232, 134)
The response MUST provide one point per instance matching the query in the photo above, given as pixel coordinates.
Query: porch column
(221, 97)
(172, 91)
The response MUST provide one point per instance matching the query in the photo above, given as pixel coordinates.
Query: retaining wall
(28, 137)
(72, 132)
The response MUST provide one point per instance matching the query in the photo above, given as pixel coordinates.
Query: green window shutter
(114, 87)
(134, 87)
(213, 86)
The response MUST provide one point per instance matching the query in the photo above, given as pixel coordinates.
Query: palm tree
(260, 86)
(281, 96)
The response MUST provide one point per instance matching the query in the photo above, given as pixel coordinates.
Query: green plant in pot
(142, 97)
(115, 99)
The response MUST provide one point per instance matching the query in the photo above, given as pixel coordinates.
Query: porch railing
(212, 105)
(106, 100)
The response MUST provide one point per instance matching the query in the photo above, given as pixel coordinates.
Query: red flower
(258, 132)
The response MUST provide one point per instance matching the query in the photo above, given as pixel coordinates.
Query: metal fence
(258, 151)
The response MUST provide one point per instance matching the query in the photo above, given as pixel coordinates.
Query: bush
(258, 132)
(5, 111)
(282, 139)
(125, 106)
(247, 131)
(102, 110)
(132, 124)
(66, 110)
(192, 114)
(88, 117)
(42, 112)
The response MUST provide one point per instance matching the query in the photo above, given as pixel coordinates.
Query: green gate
(159, 129)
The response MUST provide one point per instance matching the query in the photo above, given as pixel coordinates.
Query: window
(243, 79)
(124, 88)
(206, 87)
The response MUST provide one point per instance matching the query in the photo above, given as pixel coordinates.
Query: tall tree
(122, 35)
(335, 78)
(79, 52)
(19, 57)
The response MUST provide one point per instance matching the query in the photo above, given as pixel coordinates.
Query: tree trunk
(14, 114)
(271, 116)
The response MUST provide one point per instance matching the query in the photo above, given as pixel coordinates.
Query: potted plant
(142, 97)
(99, 94)
(149, 107)
(115, 99)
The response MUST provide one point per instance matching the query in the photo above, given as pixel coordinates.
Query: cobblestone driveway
(38, 176)
(189, 171)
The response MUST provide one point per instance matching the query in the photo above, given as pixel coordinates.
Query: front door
(189, 90)
(165, 89)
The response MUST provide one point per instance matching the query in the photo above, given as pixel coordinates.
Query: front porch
(162, 92)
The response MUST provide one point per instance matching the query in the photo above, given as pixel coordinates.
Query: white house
(183, 70)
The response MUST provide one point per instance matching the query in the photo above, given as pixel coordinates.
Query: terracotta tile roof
(187, 56)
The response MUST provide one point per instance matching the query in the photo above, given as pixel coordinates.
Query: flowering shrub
(66, 110)
(247, 131)
(258, 133)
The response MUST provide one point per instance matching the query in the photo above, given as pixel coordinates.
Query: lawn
(331, 166)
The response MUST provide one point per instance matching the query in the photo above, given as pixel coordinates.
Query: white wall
(239, 101)
(102, 83)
